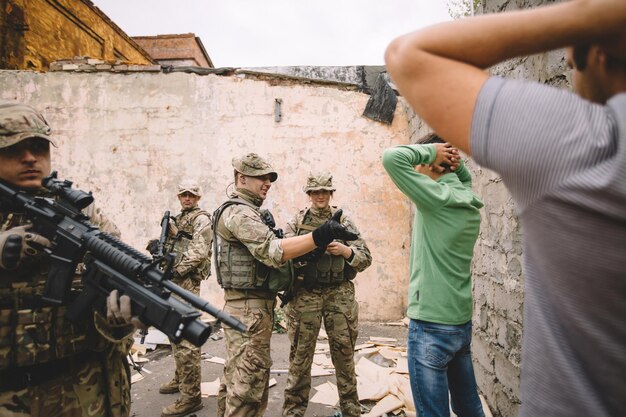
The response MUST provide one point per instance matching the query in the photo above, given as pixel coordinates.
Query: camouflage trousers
(82, 392)
(304, 314)
(244, 387)
(187, 356)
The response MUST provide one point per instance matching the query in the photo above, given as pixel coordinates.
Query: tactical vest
(179, 246)
(235, 266)
(32, 331)
(328, 270)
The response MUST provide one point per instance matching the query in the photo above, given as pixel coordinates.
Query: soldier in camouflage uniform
(247, 253)
(323, 291)
(48, 366)
(190, 239)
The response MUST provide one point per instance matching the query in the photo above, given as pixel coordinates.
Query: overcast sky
(256, 33)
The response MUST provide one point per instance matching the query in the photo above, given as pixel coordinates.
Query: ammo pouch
(328, 271)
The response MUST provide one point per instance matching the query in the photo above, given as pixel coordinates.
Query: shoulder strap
(301, 225)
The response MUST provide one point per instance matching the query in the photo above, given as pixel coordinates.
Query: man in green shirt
(445, 230)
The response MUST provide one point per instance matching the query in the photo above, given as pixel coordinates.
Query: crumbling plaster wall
(130, 138)
(498, 276)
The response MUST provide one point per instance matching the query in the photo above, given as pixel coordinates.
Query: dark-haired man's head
(597, 74)
(434, 138)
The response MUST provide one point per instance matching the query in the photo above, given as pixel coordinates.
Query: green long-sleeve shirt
(445, 230)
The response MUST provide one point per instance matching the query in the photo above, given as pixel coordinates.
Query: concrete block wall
(498, 273)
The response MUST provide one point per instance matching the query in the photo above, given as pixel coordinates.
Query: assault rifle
(165, 225)
(109, 264)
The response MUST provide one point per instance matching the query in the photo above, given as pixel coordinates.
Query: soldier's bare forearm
(296, 246)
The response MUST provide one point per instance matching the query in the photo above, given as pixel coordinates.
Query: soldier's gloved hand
(19, 244)
(119, 311)
(153, 246)
(332, 230)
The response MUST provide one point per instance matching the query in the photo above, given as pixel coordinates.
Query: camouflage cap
(253, 165)
(189, 186)
(19, 121)
(319, 181)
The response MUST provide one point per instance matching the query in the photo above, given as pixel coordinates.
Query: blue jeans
(440, 360)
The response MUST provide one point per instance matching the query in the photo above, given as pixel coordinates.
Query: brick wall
(33, 33)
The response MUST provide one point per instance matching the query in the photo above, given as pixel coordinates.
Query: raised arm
(400, 162)
(439, 69)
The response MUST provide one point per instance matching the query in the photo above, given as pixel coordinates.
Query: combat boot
(182, 407)
(169, 387)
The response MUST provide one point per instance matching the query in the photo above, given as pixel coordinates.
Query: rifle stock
(109, 264)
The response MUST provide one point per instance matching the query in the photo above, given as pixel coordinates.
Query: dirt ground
(147, 402)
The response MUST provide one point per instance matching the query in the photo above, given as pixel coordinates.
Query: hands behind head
(446, 154)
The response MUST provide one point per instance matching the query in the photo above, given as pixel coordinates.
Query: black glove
(332, 230)
(18, 244)
(153, 246)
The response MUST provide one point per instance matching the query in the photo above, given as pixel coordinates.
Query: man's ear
(597, 55)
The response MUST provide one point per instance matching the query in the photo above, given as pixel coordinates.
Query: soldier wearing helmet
(249, 256)
(323, 291)
(47, 365)
(189, 239)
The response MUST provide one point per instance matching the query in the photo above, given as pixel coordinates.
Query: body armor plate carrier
(235, 266)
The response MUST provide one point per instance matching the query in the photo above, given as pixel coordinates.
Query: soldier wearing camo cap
(246, 254)
(323, 292)
(189, 239)
(47, 365)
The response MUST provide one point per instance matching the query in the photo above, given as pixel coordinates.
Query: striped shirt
(564, 161)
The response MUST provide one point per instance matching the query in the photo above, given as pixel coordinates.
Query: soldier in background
(49, 366)
(323, 291)
(189, 239)
(248, 253)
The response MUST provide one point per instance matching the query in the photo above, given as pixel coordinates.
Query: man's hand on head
(446, 154)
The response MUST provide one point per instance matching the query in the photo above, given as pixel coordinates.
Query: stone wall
(131, 137)
(498, 276)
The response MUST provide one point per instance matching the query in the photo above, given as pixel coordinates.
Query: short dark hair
(435, 138)
(579, 55)
(431, 138)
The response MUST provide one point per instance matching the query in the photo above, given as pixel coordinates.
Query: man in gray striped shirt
(563, 158)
